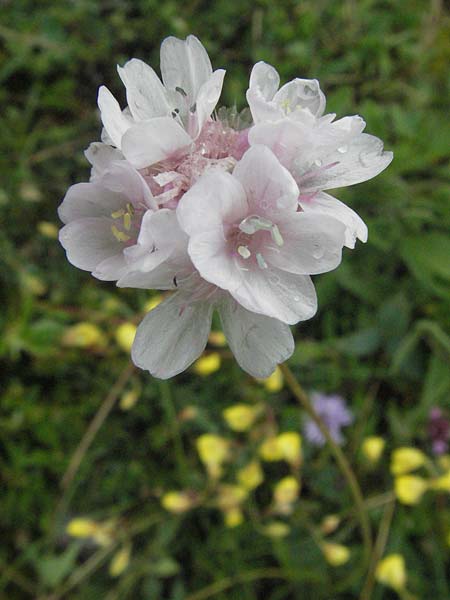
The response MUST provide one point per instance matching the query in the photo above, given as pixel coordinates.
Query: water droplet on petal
(342, 149)
(318, 163)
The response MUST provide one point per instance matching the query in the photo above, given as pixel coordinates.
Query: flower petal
(84, 200)
(113, 119)
(216, 198)
(269, 187)
(101, 156)
(258, 343)
(301, 94)
(324, 204)
(264, 82)
(172, 336)
(207, 98)
(123, 178)
(149, 142)
(312, 244)
(146, 95)
(185, 65)
(88, 242)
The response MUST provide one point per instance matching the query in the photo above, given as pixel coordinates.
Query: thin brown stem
(341, 460)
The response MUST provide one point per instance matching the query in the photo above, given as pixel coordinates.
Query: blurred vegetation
(380, 338)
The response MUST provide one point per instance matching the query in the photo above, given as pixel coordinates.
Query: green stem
(341, 460)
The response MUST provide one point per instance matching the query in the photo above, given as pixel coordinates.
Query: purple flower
(334, 413)
(439, 431)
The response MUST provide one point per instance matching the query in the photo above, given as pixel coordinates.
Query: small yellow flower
(391, 571)
(104, 533)
(240, 417)
(153, 302)
(213, 451)
(329, 524)
(442, 483)
(290, 444)
(275, 382)
(233, 517)
(48, 230)
(405, 460)
(372, 448)
(335, 554)
(217, 338)
(81, 528)
(409, 489)
(177, 502)
(250, 476)
(230, 496)
(270, 450)
(84, 335)
(124, 335)
(276, 529)
(120, 561)
(129, 399)
(205, 365)
(286, 491)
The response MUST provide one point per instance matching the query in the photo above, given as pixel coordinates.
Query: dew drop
(342, 149)
(318, 163)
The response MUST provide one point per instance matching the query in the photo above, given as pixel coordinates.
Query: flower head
(228, 214)
(334, 413)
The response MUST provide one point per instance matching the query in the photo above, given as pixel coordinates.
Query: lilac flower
(334, 413)
(229, 215)
(439, 431)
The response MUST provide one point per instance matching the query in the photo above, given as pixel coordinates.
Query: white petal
(359, 160)
(258, 343)
(146, 95)
(278, 294)
(114, 121)
(303, 94)
(324, 204)
(185, 65)
(88, 242)
(84, 200)
(172, 336)
(111, 268)
(149, 142)
(270, 188)
(216, 198)
(207, 98)
(264, 82)
(312, 244)
(123, 178)
(101, 156)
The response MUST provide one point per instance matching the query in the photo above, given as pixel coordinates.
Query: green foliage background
(379, 338)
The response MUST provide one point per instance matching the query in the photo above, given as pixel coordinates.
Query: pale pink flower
(319, 152)
(162, 118)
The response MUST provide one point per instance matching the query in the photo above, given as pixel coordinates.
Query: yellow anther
(127, 221)
(130, 209)
(118, 213)
(119, 235)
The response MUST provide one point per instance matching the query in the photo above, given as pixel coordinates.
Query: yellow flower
(48, 230)
(120, 561)
(290, 444)
(230, 496)
(372, 448)
(274, 383)
(250, 476)
(405, 460)
(233, 517)
(276, 529)
(205, 365)
(391, 571)
(442, 483)
(335, 554)
(240, 417)
(329, 524)
(286, 491)
(217, 338)
(83, 335)
(125, 334)
(213, 451)
(270, 450)
(153, 302)
(409, 489)
(81, 528)
(177, 502)
(129, 399)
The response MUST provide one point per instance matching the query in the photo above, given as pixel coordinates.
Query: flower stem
(341, 460)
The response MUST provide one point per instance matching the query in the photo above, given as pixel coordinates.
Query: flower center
(248, 240)
(125, 223)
